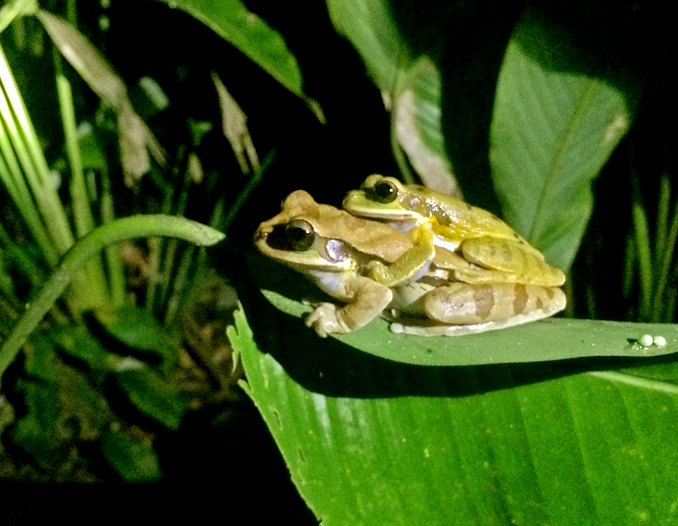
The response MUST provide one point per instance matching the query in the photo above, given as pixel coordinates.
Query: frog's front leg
(366, 299)
(410, 265)
(462, 308)
(506, 261)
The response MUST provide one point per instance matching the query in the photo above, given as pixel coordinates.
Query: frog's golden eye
(299, 234)
(384, 192)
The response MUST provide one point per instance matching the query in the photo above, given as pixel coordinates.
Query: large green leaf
(371, 442)
(556, 120)
(545, 340)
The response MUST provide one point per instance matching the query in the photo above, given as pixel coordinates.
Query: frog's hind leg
(507, 260)
(461, 308)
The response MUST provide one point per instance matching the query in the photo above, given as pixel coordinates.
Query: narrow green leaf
(85, 249)
(412, 87)
(251, 35)
(486, 445)
(369, 26)
(556, 121)
(417, 116)
(13, 9)
(137, 142)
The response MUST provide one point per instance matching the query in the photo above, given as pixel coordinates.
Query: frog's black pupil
(385, 192)
(300, 235)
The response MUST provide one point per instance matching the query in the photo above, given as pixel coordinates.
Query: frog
(335, 250)
(488, 250)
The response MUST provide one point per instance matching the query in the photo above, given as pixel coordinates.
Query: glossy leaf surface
(545, 340)
(550, 443)
(556, 121)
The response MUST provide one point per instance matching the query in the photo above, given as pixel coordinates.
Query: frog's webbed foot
(325, 320)
(365, 298)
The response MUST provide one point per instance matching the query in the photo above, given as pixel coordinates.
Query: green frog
(488, 250)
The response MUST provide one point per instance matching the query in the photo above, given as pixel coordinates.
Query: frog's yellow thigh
(511, 257)
(466, 304)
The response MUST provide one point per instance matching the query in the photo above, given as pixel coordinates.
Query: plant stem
(27, 147)
(644, 252)
(664, 309)
(116, 271)
(94, 282)
(88, 247)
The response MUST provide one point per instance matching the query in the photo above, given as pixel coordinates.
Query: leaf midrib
(545, 197)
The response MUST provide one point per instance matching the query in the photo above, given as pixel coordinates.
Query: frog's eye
(384, 192)
(299, 234)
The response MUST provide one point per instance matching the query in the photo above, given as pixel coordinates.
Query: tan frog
(336, 250)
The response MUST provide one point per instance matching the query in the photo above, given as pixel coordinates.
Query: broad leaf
(558, 115)
(369, 26)
(556, 120)
(370, 442)
(37, 431)
(545, 340)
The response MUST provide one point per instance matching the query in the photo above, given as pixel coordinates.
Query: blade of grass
(249, 187)
(83, 251)
(179, 283)
(116, 271)
(664, 304)
(186, 284)
(170, 247)
(644, 252)
(27, 147)
(156, 246)
(95, 278)
(662, 216)
(629, 271)
(13, 9)
(13, 180)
